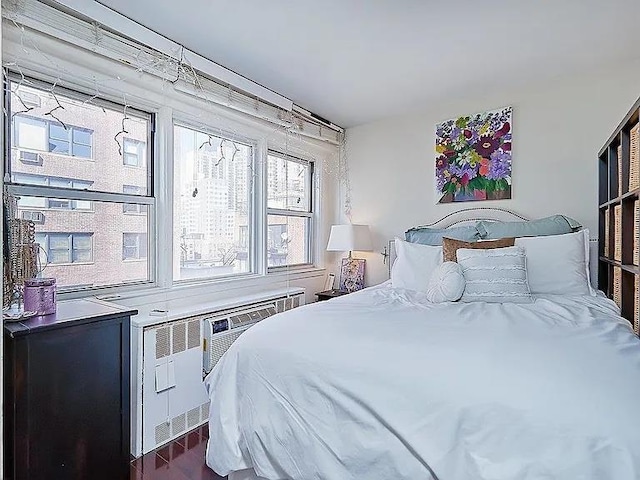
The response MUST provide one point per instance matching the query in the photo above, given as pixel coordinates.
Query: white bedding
(382, 385)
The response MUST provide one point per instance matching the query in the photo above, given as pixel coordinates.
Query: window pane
(58, 256)
(287, 241)
(288, 184)
(58, 146)
(81, 136)
(57, 203)
(212, 192)
(83, 151)
(91, 250)
(30, 133)
(82, 255)
(81, 242)
(90, 134)
(130, 159)
(58, 132)
(57, 242)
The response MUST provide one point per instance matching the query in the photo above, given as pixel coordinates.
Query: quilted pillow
(498, 275)
(446, 284)
(450, 246)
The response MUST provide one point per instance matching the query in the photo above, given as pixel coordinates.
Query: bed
(383, 384)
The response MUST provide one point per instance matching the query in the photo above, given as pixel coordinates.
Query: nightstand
(327, 294)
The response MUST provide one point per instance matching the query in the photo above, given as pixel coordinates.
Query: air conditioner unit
(168, 396)
(221, 331)
(26, 156)
(35, 217)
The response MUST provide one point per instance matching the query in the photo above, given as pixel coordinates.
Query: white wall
(558, 129)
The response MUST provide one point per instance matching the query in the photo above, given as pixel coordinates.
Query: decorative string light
(291, 126)
(123, 131)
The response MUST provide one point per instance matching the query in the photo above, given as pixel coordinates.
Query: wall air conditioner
(168, 396)
(31, 158)
(35, 217)
(220, 332)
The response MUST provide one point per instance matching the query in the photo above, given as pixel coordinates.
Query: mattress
(382, 384)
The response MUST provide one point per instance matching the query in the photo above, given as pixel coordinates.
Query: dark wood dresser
(66, 393)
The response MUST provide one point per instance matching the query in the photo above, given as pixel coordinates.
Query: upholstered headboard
(471, 215)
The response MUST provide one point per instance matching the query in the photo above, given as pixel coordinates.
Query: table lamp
(347, 238)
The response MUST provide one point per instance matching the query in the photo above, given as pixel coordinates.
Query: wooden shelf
(619, 214)
(635, 269)
(614, 201)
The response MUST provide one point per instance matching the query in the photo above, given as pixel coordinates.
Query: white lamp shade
(345, 238)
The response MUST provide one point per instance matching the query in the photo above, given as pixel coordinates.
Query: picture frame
(329, 282)
(352, 274)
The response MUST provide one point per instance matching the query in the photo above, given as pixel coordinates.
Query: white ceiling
(355, 61)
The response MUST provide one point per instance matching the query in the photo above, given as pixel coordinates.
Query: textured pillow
(497, 275)
(554, 225)
(558, 264)
(433, 236)
(450, 246)
(446, 284)
(414, 265)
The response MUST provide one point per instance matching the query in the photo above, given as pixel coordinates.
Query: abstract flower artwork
(473, 157)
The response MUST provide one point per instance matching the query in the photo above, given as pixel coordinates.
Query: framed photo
(352, 274)
(329, 282)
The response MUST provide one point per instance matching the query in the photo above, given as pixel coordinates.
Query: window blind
(89, 35)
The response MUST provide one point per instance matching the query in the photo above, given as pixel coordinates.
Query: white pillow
(496, 275)
(414, 265)
(558, 264)
(446, 284)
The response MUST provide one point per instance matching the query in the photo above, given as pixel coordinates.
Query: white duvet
(382, 385)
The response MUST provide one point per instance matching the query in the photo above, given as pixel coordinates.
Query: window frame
(47, 182)
(47, 124)
(140, 152)
(193, 113)
(309, 214)
(138, 236)
(253, 205)
(70, 248)
(45, 191)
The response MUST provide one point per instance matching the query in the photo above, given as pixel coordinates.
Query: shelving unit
(619, 217)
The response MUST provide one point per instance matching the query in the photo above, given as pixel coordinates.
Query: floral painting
(473, 157)
(352, 274)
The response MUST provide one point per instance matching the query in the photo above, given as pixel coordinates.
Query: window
(47, 136)
(88, 199)
(134, 246)
(212, 208)
(28, 179)
(66, 247)
(289, 211)
(132, 207)
(133, 152)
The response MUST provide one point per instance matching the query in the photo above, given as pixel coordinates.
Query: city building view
(60, 141)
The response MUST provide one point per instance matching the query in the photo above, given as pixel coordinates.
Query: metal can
(40, 295)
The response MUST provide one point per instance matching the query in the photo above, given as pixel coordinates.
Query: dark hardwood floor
(182, 459)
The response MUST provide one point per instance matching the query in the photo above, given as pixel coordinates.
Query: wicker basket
(636, 232)
(617, 226)
(606, 233)
(619, 155)
(634, 158)
(617, 286)
(636, 307)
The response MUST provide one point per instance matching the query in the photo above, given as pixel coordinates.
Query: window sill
(205, 287)
(67, 264)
